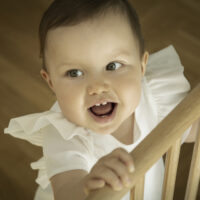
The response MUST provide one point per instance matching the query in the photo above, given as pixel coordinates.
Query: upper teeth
(104, 103)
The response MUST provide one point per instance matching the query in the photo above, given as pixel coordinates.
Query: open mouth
(103, 113)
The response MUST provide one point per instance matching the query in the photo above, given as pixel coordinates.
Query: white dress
(67, 146)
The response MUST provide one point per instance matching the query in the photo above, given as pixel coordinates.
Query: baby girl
(110, 95)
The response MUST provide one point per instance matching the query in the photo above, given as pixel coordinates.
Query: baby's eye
(73, 73)
(112, 66)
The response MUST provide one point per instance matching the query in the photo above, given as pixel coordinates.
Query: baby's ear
(144, 62)
(45, 75)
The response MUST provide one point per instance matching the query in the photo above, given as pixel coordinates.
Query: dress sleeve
(65, 145)
(28, 127)
(66, 154)
(166, 82)
(60, 155)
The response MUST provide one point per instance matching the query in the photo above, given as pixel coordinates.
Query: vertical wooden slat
(171, 164)
(137, 193)
(132, 194)
(194, 175)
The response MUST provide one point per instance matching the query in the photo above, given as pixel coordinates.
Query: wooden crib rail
(194, 175)
(157, 143)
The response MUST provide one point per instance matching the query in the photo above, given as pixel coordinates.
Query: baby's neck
(125, 132)
(129, 139)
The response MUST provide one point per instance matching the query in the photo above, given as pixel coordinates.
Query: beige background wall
(22, 91)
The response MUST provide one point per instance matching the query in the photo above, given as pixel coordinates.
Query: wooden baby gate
(165, 138)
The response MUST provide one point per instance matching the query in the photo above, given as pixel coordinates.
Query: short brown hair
(73, 12)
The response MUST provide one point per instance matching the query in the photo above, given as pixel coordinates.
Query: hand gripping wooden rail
(163, 138)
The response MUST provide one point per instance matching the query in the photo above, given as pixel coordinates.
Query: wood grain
(171, 165)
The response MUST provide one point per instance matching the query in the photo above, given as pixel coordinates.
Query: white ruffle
(32, 127)
(166, 80)
(29, 127)
(42, 178)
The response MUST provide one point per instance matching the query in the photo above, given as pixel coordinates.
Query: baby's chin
(102, 131)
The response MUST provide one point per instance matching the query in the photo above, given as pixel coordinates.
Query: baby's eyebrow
(112, 56)
(120, 52)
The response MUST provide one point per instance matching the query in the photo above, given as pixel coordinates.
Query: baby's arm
(112, 169)
(69, 185)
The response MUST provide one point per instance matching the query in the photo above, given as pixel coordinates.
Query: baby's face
(77, 58)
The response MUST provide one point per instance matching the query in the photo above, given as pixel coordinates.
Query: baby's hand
(112, 169)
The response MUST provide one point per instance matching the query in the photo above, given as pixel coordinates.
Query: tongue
(102, 110)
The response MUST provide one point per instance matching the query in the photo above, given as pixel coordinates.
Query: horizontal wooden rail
(161, 138)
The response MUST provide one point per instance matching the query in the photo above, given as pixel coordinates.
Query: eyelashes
(73, 73)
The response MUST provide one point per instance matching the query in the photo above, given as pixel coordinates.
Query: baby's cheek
(127, 83)
(73, 108)
(130, 91)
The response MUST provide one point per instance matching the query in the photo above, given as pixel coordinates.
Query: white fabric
(67, 146)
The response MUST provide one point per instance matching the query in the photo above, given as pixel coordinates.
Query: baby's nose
(97, 88)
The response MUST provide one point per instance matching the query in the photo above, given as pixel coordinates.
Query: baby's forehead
(103, 32)
(97, 13)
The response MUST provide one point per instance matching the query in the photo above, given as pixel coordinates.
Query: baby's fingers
(93, 184)
(125, 157)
